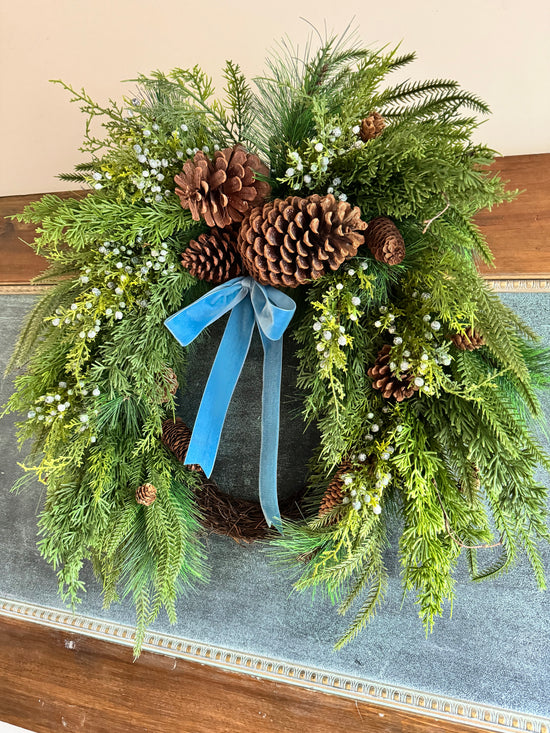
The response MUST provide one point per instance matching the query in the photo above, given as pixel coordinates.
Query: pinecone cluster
(400, 386)
(468, 341)
(333, 495)
(213, 257)
(289, 241)
(283, 243)
(385, 241)
(371, 127)
(146, 494)
(222, 190)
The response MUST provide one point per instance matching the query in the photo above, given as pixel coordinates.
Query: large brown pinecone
(169, 385)
(333, 495)
(469, 340)
(222, 190)
(371, 127)
(400, 386)
(213, 257)
(289, 241)
(384, 240)
(146, 494)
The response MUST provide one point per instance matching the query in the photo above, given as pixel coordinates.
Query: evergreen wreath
(356, 200)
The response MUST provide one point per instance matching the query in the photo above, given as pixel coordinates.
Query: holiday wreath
(326, 204)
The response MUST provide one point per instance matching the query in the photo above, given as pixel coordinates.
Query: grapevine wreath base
(222, 513)
(334, 209)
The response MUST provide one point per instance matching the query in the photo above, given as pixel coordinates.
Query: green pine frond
(374, 598)
(239, 99)
(500, 565)
(81, 222)
(35, 323)
(412, 91)
(437, 103)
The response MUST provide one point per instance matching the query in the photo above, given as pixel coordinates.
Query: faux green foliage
(452, 466)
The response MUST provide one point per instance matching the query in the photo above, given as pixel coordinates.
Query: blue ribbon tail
(271, 398)
(219, 389)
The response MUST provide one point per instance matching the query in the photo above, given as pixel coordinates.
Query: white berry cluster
(119, 281)
(372, 428)
(64, 403)
(82, 313)
(418, 347)
(307, 167)
(139, 259)
(364, 484)
(338, 310)
(153, 157)
(328, 331)
(52, 405)
(153, 174)
(334, 189)
(363, 489)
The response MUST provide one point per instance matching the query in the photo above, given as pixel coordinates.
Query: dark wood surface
(18, 262)
(51, 680)
(517, 232)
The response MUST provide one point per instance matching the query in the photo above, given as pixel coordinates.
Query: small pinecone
(222, 190)
(146, 494)
(389, 384)
(213, 257)
(384, 240)
(333, 495)
(371, 127)
(468, 341)
(289, 241)
(176, 436)
(169, 385)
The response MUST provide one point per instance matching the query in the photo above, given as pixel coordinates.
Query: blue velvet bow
(250, 303)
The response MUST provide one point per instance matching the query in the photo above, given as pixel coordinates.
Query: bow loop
(188, 323)
(273, 310)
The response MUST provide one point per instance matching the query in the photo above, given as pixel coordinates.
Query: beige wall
(496, 48)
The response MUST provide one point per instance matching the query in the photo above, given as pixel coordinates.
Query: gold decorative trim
(500, 284)
(520, 284)
(23, 289)
(485, 717)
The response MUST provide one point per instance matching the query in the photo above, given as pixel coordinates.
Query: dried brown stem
(428, 222)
